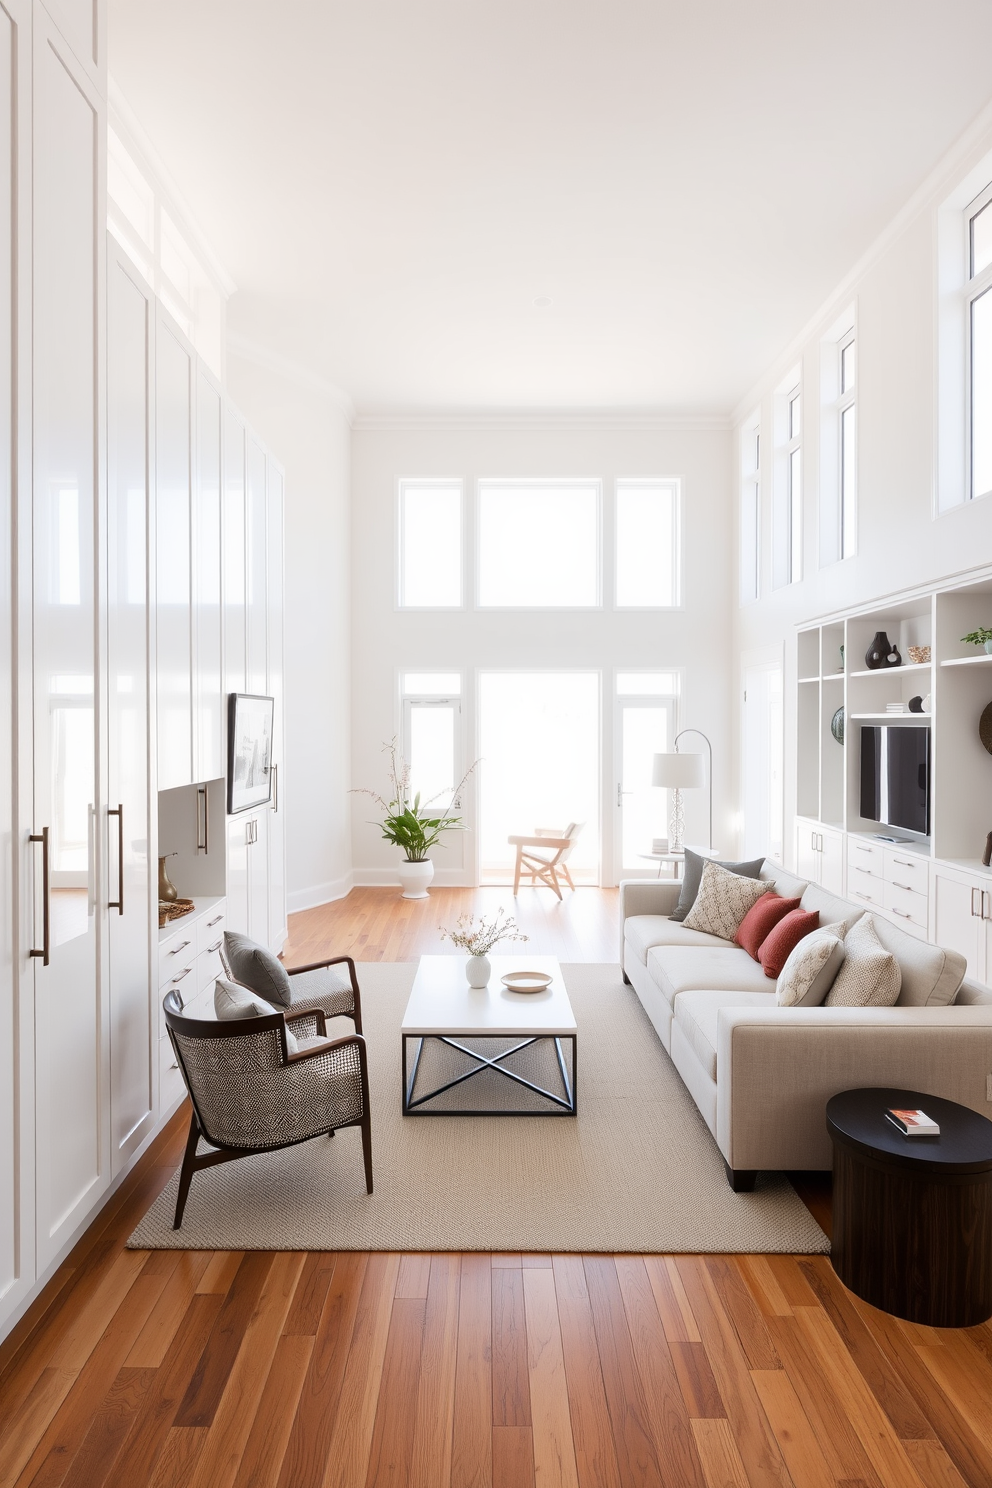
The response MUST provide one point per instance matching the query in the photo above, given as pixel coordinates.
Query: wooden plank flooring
(238, 1370)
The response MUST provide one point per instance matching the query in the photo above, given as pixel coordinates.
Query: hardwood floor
(444, 1371)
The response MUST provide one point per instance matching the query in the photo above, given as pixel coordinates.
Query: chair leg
(568, 876)
(552, 881)
(186, 1175)
(367, 1148)
(516, 872)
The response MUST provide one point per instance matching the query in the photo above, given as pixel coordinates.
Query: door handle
(204, 846)
(46, 913)
(619, 794)
(118, 903)
(275, 789)
(986, 896)
(976, 912)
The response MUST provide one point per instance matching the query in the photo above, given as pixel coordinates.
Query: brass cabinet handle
(182, 974)
(118, 903)
(216, 945)
(46, 912)
(180, 948)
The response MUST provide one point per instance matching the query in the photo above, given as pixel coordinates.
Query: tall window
(979, 300)
(794, 467)
(647, 531)
(539, 544)
(430, 544)
(750, 508)
(848, 455)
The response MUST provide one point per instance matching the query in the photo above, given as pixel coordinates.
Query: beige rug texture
(635, 1170)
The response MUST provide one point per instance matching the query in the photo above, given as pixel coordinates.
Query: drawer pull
(216, 945)
(902, 914)
(864, 896)
(907, 887)
(904, 862)
(864, 870)
(215, 921)
(180, 948)
(182, 974)
(858, 848)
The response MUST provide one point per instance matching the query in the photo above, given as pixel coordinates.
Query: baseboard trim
(317, 894)
(385, 878)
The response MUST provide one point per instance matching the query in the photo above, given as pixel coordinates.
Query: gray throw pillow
(692, 872)
(255, 967)
(233, 1002)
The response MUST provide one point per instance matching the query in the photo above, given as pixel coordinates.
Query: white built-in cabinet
(820, 855)
(140, 583)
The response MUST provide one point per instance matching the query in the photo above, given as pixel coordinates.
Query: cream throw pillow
(232, 1001)
(870, 975)
(723, 900)
(809, 973)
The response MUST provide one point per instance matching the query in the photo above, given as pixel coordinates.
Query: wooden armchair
(250, 1094)
(331, 986)
(544, 855)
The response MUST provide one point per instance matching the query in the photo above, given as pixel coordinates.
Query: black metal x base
(564, 1104)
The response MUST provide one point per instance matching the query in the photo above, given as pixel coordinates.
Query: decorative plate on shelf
(837, 725)
(985, 728)
(526, 981)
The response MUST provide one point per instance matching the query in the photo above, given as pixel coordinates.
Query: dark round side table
(912, 1216)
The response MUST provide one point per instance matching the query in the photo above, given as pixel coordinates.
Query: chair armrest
(539, 841)
(349, 1038)
(353, 975)
(317, 1014)
(778, 1067)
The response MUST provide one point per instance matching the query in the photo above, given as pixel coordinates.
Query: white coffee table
(453, 1033)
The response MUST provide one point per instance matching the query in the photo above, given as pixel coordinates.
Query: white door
(71, 1024)
(807, 852)
(237, 874)
(208, 734)
(762, 788)
(645, 727)
(274, 651)
(235, 617)
(832, 861)
(257, 578)
(258, 876)
(173, 608)
(128, 882)
(432, 748)
(957, 917)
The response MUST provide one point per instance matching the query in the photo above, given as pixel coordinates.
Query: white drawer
(174, 956)
(208, 969)
(202, 1005)
(171, 1083)
(210, 928)
(864, 886)
(907, 907)
(868, 856)
(905, 871)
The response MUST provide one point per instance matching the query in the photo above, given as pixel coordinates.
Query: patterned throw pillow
(723, 900)
(760, 920)
(870, 975)
(809, 973)
(692, 872)
(779, 944)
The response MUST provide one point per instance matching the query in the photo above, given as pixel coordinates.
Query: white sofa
(761, 1074)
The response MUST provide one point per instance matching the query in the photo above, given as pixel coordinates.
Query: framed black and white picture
(249, 751)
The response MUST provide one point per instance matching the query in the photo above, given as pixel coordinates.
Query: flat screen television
(895, 776)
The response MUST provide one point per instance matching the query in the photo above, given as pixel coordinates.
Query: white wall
(901, 544)
(307, 428)
(386, 640)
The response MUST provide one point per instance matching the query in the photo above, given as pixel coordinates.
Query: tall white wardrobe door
(274, 650)
(128, 880)
(257, 575)
(173, 419)
(208, 737)
(70, 1027)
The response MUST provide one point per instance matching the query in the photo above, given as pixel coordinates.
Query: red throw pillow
(780, 943)
(761, 919)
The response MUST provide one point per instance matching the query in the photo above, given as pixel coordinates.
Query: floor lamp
(678, 772)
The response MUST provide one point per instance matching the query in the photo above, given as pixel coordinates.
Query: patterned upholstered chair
(251, 1094)
(331, 985)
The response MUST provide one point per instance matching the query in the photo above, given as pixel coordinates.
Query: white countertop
(443, 1002)
(201, 904)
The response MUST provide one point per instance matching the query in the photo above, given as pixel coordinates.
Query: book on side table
(913, 1123)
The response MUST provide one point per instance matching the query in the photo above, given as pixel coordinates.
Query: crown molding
(126, 123)
(292, 371)
(526, 419)
(927, 194)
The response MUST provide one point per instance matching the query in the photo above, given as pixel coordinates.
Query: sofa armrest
(647, 896)
(778, 1067)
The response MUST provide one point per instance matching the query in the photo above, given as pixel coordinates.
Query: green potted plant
(413, 825)
(980, 637)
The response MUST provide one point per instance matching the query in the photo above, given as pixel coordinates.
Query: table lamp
(677, 772)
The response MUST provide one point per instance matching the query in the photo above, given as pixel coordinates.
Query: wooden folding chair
(545, 865)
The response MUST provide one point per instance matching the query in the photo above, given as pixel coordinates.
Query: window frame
(426, 483)
(649, 483)
(838, 532)
(594, 483)
(847, 539)
(976, 286)
(750, 495)
(794, 498)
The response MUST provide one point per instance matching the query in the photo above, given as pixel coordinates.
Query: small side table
(678, 858)
(912, 1216)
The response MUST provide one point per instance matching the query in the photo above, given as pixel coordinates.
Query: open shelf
(909, 666)
(807, 679)
(913, 717)
(982, 660)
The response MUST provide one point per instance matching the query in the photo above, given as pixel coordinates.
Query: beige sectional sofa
(761, 1074)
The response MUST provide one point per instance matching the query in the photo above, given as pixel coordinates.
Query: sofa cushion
(723, 900)
(697, 1014)
(719, 968)
(870, 975)
(931, 975)
(761, 918)
(692, 872)
(780, 943)
(641, 932)
(782, 881)
(809, 973)
(830, 907)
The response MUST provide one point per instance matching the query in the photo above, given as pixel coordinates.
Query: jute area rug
(636, 1169)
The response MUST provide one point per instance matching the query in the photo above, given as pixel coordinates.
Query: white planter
(478, 970)
(414, 878)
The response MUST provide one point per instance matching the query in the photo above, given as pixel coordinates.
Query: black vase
(882, 653)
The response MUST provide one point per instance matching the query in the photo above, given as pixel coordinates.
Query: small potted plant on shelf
(413, 825)
(478, 938)
(981, 637)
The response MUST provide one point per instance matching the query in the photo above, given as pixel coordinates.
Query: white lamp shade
(684, 771)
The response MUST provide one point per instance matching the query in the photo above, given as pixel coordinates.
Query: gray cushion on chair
(255, 967)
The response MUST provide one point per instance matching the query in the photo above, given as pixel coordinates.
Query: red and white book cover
(914, 1123)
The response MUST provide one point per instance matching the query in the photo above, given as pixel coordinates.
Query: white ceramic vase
(414, 878)
(478, 969)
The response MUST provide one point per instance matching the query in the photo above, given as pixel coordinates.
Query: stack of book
(913, 1123)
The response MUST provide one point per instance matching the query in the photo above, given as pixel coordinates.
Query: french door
(645, 726)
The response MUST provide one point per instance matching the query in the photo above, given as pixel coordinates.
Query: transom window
(539, 544)
(848, 462)
(647, 544)
(750, 510)
(430, 544)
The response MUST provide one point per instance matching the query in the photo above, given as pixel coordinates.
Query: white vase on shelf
(478, 971)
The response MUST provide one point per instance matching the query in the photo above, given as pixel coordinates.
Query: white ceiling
(393, 183)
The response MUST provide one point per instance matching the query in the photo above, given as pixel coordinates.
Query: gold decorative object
(167, 890)
(918, 654)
